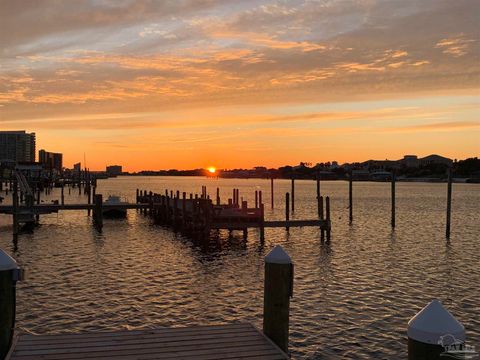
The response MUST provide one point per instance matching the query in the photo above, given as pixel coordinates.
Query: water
(352, 298)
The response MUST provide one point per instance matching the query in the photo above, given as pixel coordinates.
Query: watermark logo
(456, 349)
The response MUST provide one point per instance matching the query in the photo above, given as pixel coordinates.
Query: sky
(195, 83)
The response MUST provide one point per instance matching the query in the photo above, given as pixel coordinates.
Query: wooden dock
(195, 215)
(234, 341)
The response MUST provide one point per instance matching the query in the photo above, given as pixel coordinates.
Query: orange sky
(157, 85)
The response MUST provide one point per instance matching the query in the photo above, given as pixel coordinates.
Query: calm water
(352, 298)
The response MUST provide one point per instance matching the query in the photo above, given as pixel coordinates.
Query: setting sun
(211, 170)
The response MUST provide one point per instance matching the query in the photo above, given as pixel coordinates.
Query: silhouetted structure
(50, 160)
(18, 146)
(114, 170)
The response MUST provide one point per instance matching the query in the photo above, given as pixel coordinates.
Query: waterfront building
(50, 160)
(114, 170)
(17, 146)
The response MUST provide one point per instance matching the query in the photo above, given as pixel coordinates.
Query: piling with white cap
(278, 290)
(431, 330)
(9, 274)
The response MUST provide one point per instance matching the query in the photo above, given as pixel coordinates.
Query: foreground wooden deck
(235, 341)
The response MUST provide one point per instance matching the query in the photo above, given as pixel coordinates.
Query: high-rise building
(18, 146)
(50, 160)
(114, 170)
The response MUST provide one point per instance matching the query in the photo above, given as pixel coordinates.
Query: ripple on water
(352, 298)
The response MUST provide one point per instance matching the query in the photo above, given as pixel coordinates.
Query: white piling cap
(7, 262)
(278, 256)
(432, 322)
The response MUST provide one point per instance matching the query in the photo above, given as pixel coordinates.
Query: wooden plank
(239, 341)
(150, 346)
(213, 353)
(184, 330)
(134, 340)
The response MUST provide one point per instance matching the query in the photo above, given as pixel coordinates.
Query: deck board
(234, 341)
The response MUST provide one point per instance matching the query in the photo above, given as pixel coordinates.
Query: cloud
(456, 45)
(442, 127)
(151, 56)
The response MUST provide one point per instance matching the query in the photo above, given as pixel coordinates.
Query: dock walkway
(234, 341)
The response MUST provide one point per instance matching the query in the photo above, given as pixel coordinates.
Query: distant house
(378, 164)
(435, 159)
(410, 161)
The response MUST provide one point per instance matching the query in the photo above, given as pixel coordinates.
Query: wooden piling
(244, 205)
(278, 289)
(449, 202)
(260, 200)
(287, 210)
(350, 196)
(89, 198)
(318, 184)
(435, 334)
(98, 211)
(62, 195)
(293, 194)
(262, 222)
(327, 211)
(393, 198)
(256, 199)
(184, 210)
(218, 196)
(9, 274)
(321, 217)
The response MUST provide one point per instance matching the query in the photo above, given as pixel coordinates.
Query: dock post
(175, 213)
(287, 210)
(293, 194)
(98, 212)
(184, 210)
(277, 293)
(9, 275)
(262, 222)
(244, 205)
(433, 333)
(449, 202)
(318, 184)
(321, 217)
(62, 195)
(218, 196)
(327, 211)
(350, 196)
(393, 198)
(136, 195)
(256, 199)
(89, 198)
(260, 200)
(271, 191)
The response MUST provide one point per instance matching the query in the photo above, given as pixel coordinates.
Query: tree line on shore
(468, 168)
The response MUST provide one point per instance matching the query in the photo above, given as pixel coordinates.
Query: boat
(113, 208)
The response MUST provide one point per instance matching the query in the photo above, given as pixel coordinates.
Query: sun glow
(212, 170)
